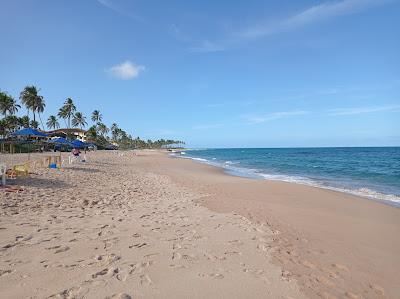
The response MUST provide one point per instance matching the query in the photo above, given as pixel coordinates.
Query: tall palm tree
(97, 116)
(91, 134)
(24, 121)
(52, 122)
(8, 104)
(39, 108)
(79, 120)
(32, 100)
(114, 131)
(67, 110)
(34, 124)
(102, 128)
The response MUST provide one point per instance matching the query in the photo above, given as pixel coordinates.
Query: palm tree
(34, 124)
(8, 104)
(32, 100)
(97, 116)
(91, 134)
(79, 120)
(114, 131)
(67, 110)
(52, 122)
(102, 128)
(39, 107)
(24, 121)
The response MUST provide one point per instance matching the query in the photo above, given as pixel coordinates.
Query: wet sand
(333, 244)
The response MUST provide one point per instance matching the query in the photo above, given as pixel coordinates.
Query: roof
(67, 130)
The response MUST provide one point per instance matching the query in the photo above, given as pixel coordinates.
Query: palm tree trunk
(41, 121)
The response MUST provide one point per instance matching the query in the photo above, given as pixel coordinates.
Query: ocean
(371, 172)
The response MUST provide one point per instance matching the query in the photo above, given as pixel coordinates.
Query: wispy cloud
(114, 7)
(274, 116)
(126, 70)
(207, 127)
(314, 14)
(360, 110)
(207, 47)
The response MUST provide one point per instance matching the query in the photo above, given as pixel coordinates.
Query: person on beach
(76, 152)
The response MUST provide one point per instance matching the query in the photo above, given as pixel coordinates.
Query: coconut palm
(79, 120)
(24, 121)
(39, 108)
(102, 129)
(91, 134)
(34, 124)
(8, 104)
(97, 116)
(32, 100)
(114, 131)
(67, 110)
(52, 122)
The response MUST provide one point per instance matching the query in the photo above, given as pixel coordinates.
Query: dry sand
(116, 228)
(154, 227)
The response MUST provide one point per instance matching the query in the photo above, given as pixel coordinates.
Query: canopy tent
(29, 132)
(78, 144)
(61, 141)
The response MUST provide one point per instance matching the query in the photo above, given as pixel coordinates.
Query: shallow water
(372, 172)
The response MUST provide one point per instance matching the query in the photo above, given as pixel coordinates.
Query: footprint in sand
(212, 275)
(176, 256)
(145, 280)
(62, 249)
(120, 296)
(5, 272)
(340, 267)
(377, 289)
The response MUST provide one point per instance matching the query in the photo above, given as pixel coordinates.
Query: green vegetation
(97, 133)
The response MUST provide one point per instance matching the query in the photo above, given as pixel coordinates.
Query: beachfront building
(74, 133)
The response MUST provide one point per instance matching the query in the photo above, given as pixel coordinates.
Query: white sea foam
(362, 192)
(230, 167)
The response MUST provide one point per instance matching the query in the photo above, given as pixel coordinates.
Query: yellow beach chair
(21, 169)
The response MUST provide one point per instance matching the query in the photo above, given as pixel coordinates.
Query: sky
(214, 73)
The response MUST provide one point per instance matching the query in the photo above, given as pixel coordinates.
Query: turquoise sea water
(372, 172)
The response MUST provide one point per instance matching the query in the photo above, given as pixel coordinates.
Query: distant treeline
(98, 133)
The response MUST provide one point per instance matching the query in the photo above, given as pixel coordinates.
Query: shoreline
(320, 230)
(379, 197)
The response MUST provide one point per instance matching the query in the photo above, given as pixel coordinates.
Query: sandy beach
(145, 225)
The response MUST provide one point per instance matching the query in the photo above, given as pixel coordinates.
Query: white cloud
(126, 70)
(359, 110)
(274, 116)
(313, 14)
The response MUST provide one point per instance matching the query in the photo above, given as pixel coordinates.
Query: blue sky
(214, 73)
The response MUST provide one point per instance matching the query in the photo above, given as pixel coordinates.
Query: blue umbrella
(29, 132)
(60, 140)
(78, 144)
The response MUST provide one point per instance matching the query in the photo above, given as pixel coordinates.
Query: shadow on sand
(83, 169)
(38, 182)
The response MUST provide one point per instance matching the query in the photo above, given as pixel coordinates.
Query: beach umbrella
(29, 132)
(61, 141)
(78, 144)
